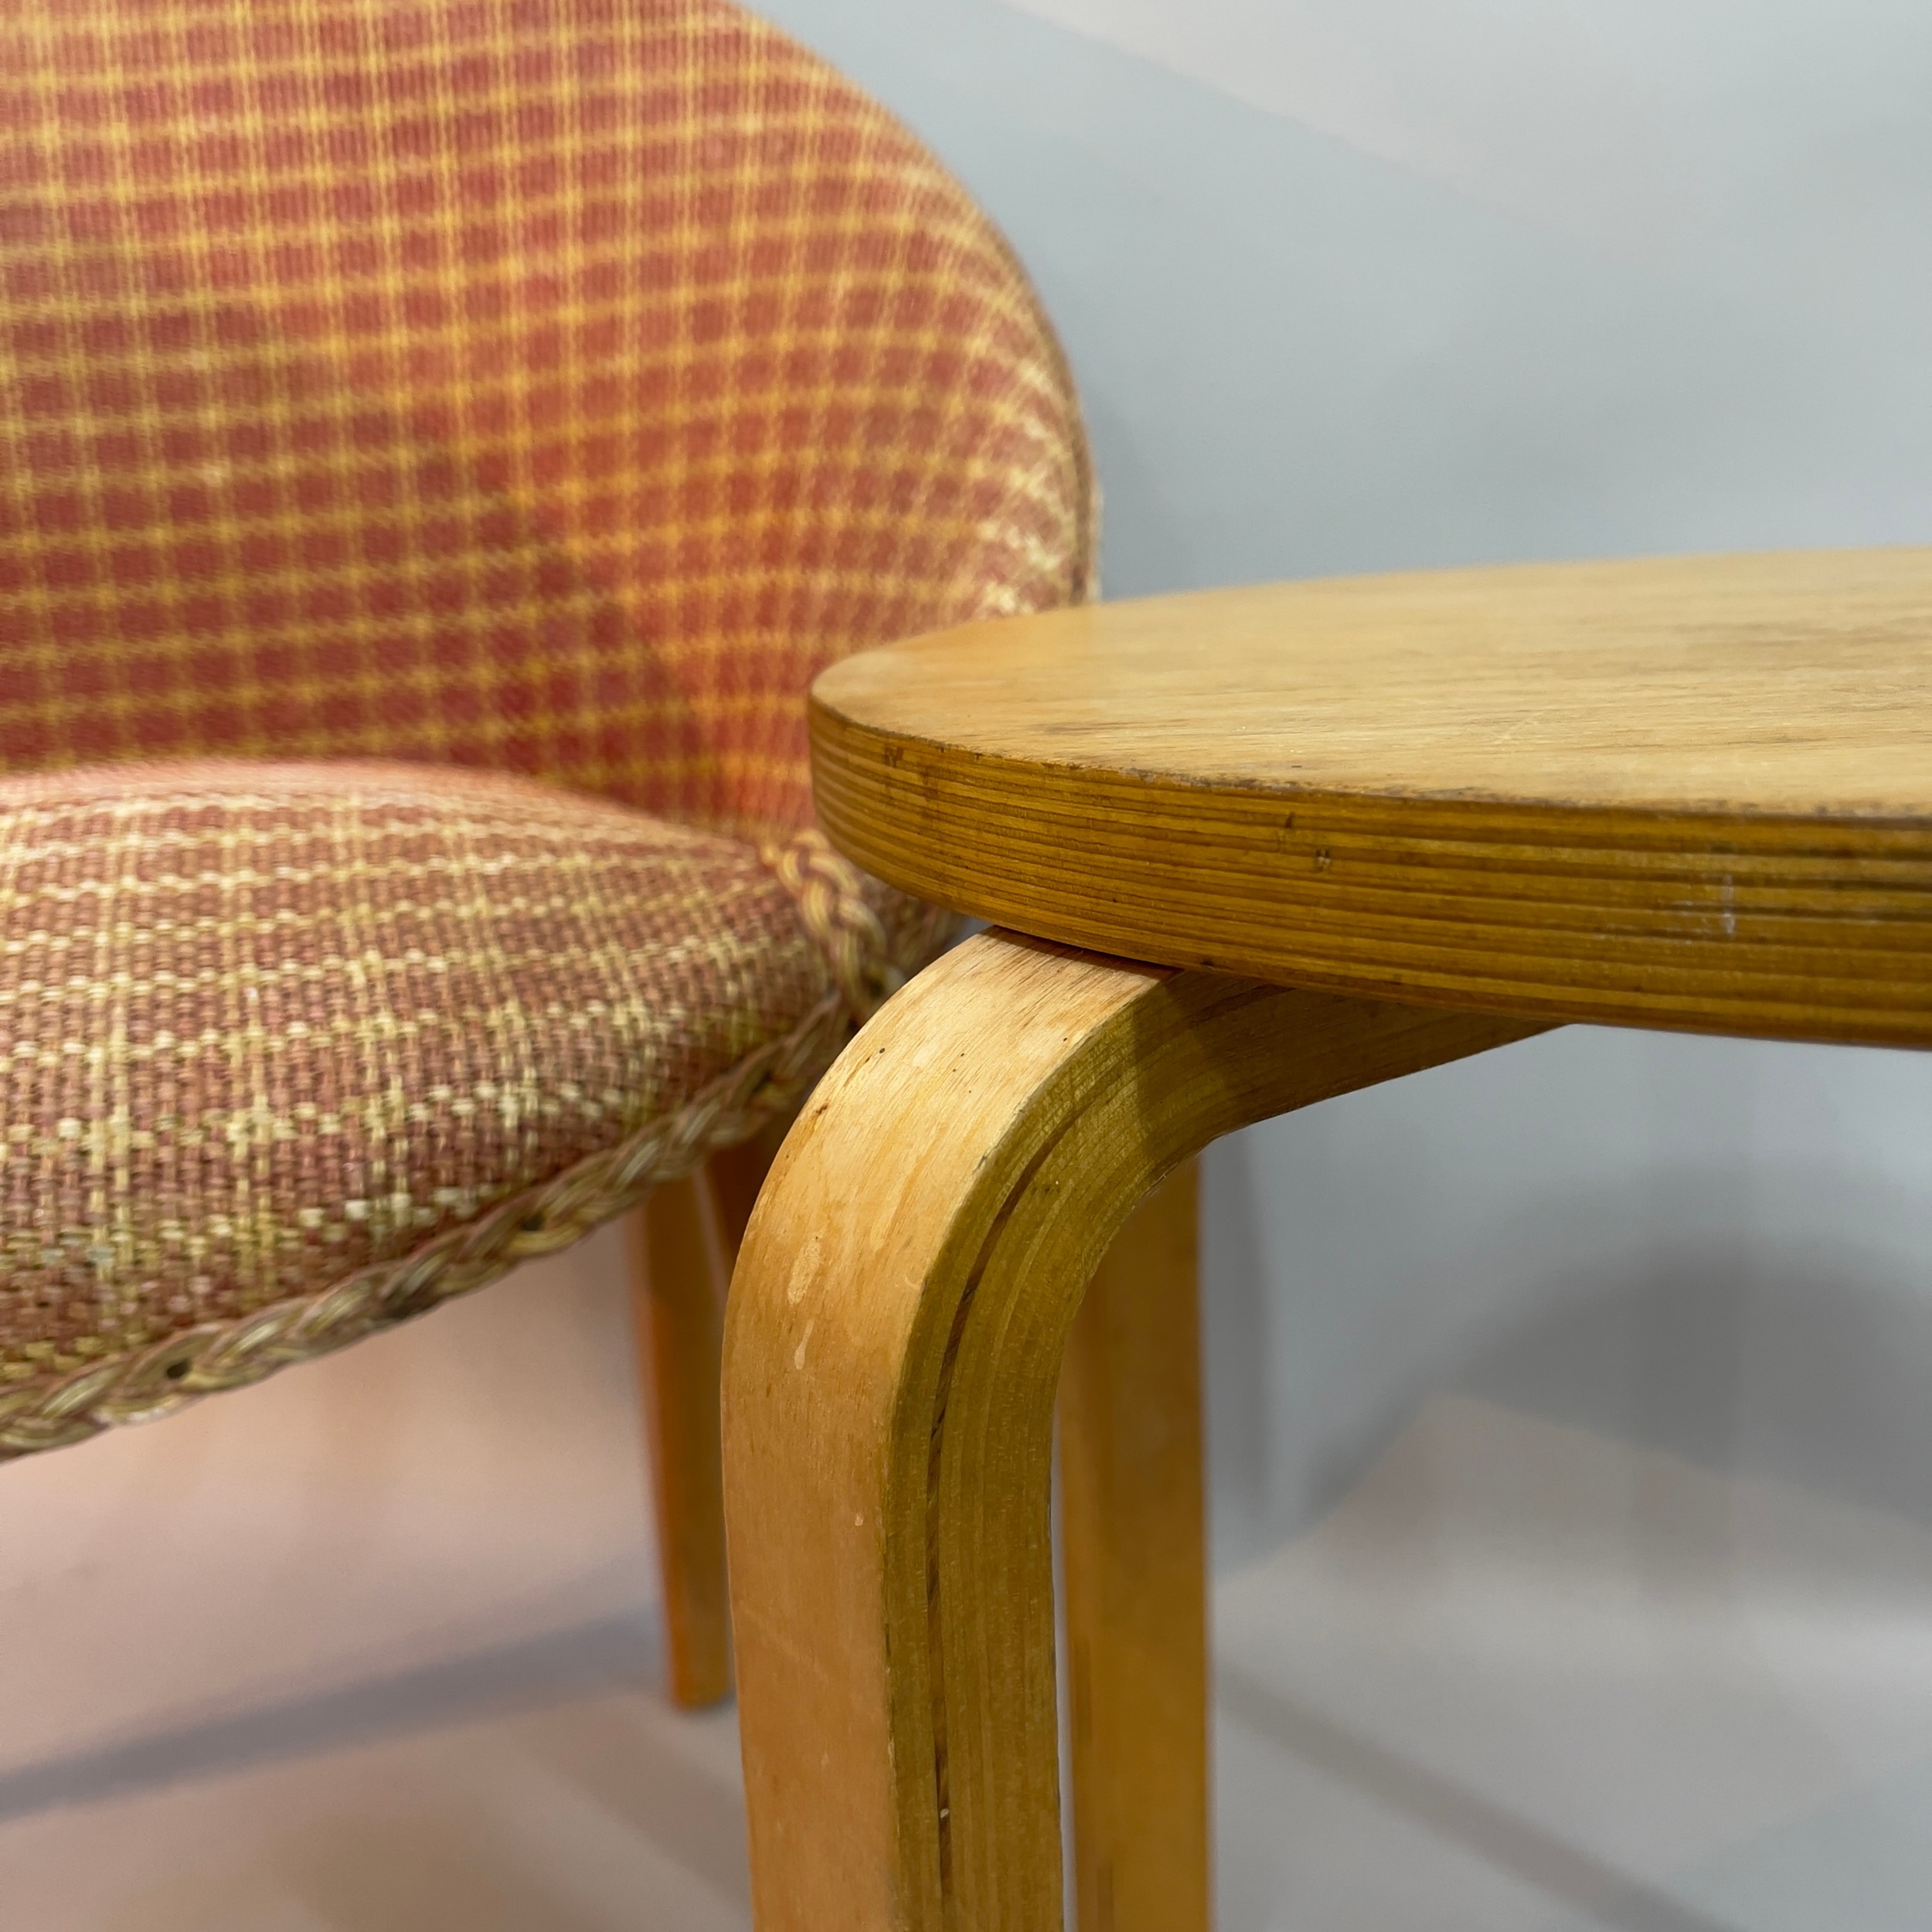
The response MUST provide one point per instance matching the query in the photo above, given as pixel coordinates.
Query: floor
(371, 1650)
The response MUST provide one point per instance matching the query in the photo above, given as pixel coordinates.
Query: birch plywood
(1133, 1512)
(1690, 793)
(893, 1348)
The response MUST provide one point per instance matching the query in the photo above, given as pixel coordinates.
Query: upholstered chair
(440, 441)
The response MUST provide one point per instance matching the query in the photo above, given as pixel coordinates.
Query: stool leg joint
(893, 1352)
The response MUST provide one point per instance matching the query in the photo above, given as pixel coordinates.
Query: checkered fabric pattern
(554, 386)
(268, 1024)
(549, 387)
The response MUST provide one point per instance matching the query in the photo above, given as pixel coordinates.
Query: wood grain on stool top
(1688, 793)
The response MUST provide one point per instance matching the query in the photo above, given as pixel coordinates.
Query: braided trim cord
(829, 891)
(180, 1369)
(867, 960)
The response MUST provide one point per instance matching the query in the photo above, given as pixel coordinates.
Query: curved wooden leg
(1133, 1512)
(683, 1240)
(892, 1352)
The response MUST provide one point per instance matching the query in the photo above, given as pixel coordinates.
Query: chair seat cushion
(287, 1051)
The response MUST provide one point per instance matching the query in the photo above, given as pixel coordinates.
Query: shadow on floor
(539, 1671)
(1610, 1898)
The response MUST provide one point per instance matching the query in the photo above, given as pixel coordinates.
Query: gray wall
(1352, 285)
(1438, 281)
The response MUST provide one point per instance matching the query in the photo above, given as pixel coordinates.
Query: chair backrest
(555, 384)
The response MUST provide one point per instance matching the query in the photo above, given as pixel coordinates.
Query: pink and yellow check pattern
(547, 386)
(550, 385)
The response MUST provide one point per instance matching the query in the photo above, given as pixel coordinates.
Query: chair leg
(1133, 1506)
(892, 1353)
(683, 1239)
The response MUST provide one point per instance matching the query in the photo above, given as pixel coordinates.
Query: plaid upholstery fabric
(261, 1026)
(549, 387)
(554, 386)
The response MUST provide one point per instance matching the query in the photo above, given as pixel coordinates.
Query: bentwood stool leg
(893, 1350)
(1133, 1504)
(683, 1240)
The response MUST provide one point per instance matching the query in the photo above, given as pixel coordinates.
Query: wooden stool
(1355, 829)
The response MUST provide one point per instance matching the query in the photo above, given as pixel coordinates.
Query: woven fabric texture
(537, 387)
(554, 386)
(264, 1027)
